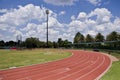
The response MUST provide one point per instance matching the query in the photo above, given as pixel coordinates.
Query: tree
(118, 36)
(60, 42)
(22, 44)
(78, 38)
(89, 38)
(10, 43)
(2, 43)
(50, 44)
(119, 41)
(55, 44)
(113, 36)
(99, 38)
(42, 44)
(64, 43)
(82, 38)
(67, 43)
(32, 42)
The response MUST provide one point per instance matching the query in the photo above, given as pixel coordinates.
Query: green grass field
(114, 72)
(15, 58)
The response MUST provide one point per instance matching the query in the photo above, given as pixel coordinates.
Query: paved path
(82, 65)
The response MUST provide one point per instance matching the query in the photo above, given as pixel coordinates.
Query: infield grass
(16, 58)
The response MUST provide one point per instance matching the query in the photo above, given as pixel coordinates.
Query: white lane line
(78, 71)
(60, 72)
(49, 71)
(92, 69)
(98, 78)
(1, 78)
(53, 71)
(57, 71)
(35, 70)
(68, 66)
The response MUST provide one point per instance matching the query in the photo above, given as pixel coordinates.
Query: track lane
(71, 75)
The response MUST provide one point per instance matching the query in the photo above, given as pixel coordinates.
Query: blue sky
(66, 18)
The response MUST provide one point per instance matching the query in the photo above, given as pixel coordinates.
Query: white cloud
(31, 33)
(90, 22)
(62, 13)
(29, 27)
(98, 20)
(23, 15)
(116, 24)
(12, 29)
(82, 16)
(41, 28)
(3, 26)
(30, 21)
(53, 22)
(71, 2)
(102, 15)
(3, 10)
(78, 25)
(100, 28)
(61, 2)
(95, 2)
(17, 32)
(0, 35)
(73, 17)
(91, 32)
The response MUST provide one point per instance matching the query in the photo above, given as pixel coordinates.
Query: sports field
(15, 58)
(82, 65)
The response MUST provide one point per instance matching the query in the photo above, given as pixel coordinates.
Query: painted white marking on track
(1, 78)
(92, 69)
(77, 71)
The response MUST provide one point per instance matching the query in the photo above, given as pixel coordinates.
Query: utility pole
(47, 12)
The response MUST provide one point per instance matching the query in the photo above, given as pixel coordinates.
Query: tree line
(34, 42)
(113, 36)
(111, 41)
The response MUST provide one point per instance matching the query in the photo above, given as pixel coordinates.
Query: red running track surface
(82, 65)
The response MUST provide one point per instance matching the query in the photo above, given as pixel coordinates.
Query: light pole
(19, 40)
(47, 12)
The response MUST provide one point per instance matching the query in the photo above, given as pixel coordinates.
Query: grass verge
(15, 58)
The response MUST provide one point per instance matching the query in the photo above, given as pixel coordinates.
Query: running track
(82, 65)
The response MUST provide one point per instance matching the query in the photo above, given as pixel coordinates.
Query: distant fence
(107, 45)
